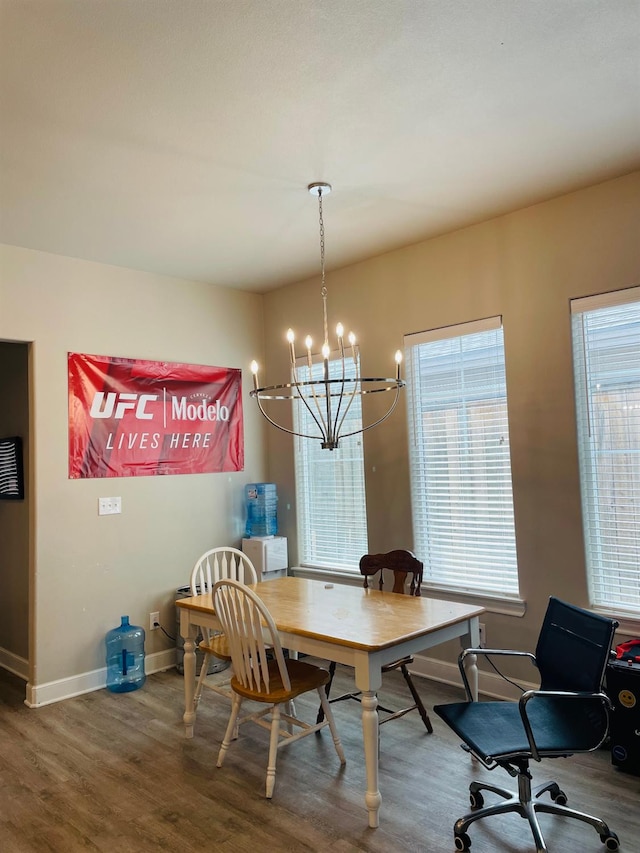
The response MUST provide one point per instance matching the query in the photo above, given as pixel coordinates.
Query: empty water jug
(125, 657)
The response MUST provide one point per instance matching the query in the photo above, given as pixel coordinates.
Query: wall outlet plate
(109, 506)
(154, 620)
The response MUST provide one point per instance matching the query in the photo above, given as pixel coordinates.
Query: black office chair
(402, 563)
(566, 715)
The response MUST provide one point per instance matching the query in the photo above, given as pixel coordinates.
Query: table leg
(471, 666)
(472, 641)
(370, 739)
(189, 633)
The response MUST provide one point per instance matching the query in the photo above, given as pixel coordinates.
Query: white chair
(262, 674)
(214, 565)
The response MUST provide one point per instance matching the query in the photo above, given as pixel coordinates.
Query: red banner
(132, 418)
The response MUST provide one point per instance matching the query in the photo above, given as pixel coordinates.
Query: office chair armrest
(556, 694)
(486, 652)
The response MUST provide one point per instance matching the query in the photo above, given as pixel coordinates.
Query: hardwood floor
(108, 772)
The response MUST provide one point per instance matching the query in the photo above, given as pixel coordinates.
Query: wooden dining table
(362, 628)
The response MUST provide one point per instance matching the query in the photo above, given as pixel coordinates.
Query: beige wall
(88, 570)
(525, 266)
(14, 515)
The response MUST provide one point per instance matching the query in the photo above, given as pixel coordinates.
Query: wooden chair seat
(217, 645)
(302, 677)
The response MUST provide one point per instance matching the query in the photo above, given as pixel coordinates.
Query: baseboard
(15, 664)
(65, 688)
(37, 696)
(489, 684)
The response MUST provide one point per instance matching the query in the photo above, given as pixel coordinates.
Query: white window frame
(330, 488)
(606, 357)
(465, 535)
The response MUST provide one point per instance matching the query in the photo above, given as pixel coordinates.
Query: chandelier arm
(322, 426)
(336, 428)
(331, 434)
(380, 420)
(284, 429)
(352, 395)
(356, 384)
(325, 426)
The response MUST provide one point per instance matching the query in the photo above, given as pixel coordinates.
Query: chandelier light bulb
(352, 339)
(308, 342)
(339, 330)
(398, 358)
(254, 369)
(326, 351)
(290, 336)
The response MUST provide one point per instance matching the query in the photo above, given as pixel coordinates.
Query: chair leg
(416, 698)
(326, 707)
(327, 690)
(232, 729)
(290, 711)
(273, 750)
(201, 678)
(556, 808)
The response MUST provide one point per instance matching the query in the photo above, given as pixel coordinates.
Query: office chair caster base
(610, 841)
(476, 800)
(462, 841)
(559, 797)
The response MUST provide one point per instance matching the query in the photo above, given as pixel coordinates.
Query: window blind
(606, 358)
(330, 492)
(461, 493)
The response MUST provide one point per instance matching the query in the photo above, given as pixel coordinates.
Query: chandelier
(326, 394)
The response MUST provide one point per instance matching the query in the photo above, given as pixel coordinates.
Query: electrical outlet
(483, 635)
(154, 620)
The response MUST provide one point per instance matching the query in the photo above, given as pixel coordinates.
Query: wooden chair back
(252, 635)
(218, 564)
(401, 563)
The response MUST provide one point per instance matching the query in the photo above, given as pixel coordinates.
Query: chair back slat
(573, 648)
(252, 635)
(218, 564)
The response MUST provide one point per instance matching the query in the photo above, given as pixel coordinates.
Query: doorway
(14, 514)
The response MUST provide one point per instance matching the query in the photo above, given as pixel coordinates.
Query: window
(461, 496)
(606, 358)
(330, 495)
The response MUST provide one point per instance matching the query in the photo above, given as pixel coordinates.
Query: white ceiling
(178, 136)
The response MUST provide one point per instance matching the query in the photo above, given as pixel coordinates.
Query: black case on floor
(623, 688)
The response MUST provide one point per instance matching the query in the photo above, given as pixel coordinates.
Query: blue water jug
(125, 657)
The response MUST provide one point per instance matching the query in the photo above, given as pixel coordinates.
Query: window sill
(493, 604)
(346, 576)
(628, 625)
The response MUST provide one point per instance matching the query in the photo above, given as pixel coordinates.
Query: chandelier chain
(323, 290)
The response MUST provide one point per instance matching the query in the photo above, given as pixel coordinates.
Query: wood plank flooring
(114, 773)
